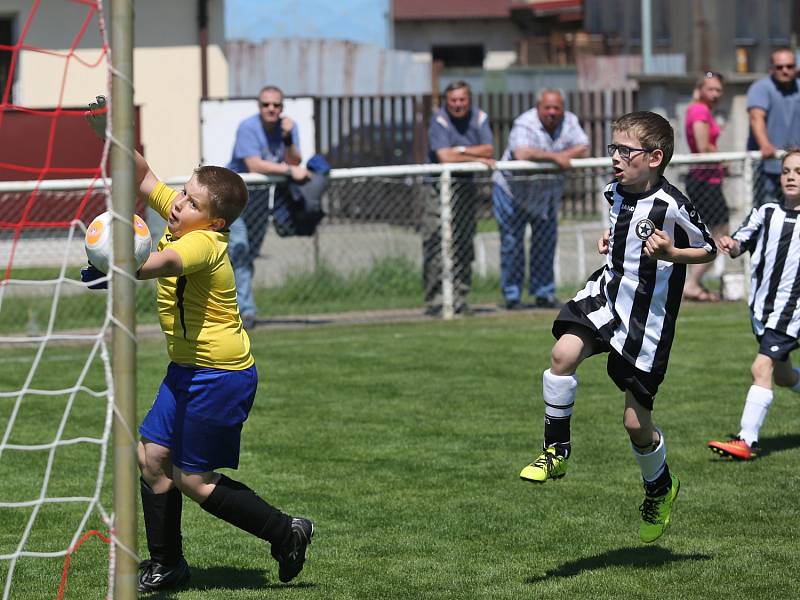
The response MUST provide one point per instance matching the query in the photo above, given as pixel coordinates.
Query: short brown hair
(227, 192)
(652, 130)
(778, 51)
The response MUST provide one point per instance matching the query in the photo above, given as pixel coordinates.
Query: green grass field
(404, 441)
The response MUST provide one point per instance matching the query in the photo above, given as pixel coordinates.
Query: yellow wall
(167, 76)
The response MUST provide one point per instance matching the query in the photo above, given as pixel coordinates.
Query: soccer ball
(98, 241)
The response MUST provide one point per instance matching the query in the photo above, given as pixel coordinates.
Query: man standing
(266, 143)
(457, 133)
(546, 134)
(774, 107)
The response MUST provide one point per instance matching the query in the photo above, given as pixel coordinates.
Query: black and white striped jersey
(772, 236)
(633, 301)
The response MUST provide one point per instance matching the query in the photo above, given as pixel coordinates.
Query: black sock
(660, 485)
(162, 523)
(556, 434)
(237, 504)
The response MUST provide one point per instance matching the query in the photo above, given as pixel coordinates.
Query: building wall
(323, 67)
(498, 38)
(708, 32)
(167, 76)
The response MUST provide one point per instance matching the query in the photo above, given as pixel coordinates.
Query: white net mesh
(55, 389)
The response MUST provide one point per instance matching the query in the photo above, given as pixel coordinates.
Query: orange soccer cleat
(735, 447)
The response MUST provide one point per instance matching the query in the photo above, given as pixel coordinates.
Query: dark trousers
(464, 205)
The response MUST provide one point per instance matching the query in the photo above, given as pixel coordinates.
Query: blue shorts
(198, 414)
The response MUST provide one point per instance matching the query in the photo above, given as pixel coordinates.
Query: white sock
(559, 394)
(796, 386)
(652, 463)
(755, 411)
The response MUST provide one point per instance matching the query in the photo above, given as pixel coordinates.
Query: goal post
(123, 192)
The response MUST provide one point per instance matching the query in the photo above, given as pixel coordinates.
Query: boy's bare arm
(97, 116)
(659, 246)
(166, 263)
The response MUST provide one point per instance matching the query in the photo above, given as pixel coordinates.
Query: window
(780, 22)
(746, 33)
(6, 39)
(459, 56)
(662, 19)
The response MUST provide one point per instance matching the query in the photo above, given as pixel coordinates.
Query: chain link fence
(441, 239)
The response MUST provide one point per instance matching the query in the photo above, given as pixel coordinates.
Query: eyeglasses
(788, 67)
(271, 104)
(624, 151)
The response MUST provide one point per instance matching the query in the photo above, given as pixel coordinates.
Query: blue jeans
(239, 250)
(244, 245)
(766, 187)
(512, 216)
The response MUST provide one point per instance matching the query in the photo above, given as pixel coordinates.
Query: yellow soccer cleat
(656, 512)
(549, 465)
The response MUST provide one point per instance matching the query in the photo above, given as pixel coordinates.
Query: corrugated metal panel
(323, 67)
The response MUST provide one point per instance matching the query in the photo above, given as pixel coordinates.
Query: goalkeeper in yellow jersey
(195, 422)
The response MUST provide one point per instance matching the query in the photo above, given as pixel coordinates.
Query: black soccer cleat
(292, 553)
(153, 576)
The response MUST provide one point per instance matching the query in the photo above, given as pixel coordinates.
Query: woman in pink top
(704, 182)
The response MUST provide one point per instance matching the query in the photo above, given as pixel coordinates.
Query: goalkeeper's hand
(97, 116)
(90, 273)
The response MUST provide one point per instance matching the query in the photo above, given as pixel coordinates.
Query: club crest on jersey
(645, 228)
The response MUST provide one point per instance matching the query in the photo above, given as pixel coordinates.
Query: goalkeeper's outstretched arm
(166, 263)
(97, 115)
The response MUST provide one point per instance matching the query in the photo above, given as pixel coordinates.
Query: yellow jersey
(197, 310)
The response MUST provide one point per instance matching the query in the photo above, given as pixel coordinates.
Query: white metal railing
(577, 254)
(391, 171)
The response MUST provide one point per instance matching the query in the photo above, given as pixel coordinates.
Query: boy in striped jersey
(770, 234)
(628, 308)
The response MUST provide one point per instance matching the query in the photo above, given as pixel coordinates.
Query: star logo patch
(645, 228)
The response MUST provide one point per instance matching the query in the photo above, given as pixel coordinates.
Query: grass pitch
(404, 443)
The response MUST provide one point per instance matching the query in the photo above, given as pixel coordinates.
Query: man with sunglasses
(773, 104)
(267, 143)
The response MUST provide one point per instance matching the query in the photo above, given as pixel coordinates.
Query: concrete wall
(669, 96)
(167, 74)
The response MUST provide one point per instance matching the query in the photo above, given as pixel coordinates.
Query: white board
(219, 120)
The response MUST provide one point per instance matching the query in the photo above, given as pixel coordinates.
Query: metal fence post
(445, 196)
(749, 196)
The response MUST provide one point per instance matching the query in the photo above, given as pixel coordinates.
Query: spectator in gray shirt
(774, 107)
(458, 132)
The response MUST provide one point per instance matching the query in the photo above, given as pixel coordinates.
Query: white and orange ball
(98, 241)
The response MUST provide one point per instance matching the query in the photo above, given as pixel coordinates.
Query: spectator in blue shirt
(544, 134)
(266, 143)
(457, 133)
(773, 104)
